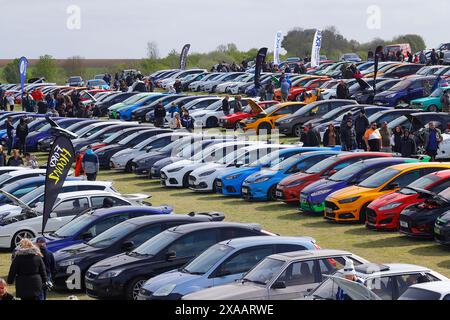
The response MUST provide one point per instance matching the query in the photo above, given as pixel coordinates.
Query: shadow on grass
(273, 207)
(444, 264)
(393, 242)
(321, 223)
(431, 250)
(123, 179)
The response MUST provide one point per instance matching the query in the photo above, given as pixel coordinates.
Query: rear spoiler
(214, 215)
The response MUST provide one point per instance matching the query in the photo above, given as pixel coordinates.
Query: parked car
(431, 103)
(437, 290)
(442, 229)
(232, 120)
(75, 81)
(350, 57)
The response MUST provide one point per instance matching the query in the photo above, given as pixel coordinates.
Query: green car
(431, 103)
(112, 111)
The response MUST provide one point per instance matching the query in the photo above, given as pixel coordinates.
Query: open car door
(355, 290)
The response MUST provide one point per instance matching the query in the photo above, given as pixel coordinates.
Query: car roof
(388, 160)
(85, 193)
(25, 171)
(145, 220)
(406, 166)
(245, 242)
(441, 173)
(371, 270)
(308, 254)
(120, 209)
(87, 182)
(212, 225)
(442, 287)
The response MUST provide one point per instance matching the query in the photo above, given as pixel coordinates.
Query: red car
(304, 83)
(231, 121)
(288, 190)
(384, 213)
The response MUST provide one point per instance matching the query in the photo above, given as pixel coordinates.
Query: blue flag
(23, 64)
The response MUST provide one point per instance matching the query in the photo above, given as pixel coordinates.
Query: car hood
(172, 277)
(390, 198)
(233, 291)
(244, 170)
(109, 147)
(208, 167)
(115, 262)
(261, 174)
(147, 155)
(8, 210)
(349, 192)
(301, 176)
(323, 184)
(177, 164)
(75, 251)
(422, 100)
(125, 152)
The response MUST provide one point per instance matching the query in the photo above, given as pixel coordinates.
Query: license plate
(437, 231)
(89, 286)
(244, 190)
(279, 194)
(404, 224)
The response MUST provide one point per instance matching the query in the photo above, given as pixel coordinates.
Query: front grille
(371, 215)
(331, 205)
(330, 214)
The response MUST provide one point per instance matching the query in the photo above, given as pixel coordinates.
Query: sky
(122, 28)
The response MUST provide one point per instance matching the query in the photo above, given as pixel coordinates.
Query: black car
(125, 236)
(292, 125)
(442, 229)
(121, 276)
(368, 95)
(330, 116)
(415, 122)
(418, 221)
(104, 154)
(120, 135)
(403, 70)
(139, 113)
(389, 115)
(103, 106)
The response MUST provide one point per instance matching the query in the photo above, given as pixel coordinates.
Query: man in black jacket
(361, 125)
(160, 114)
(226, 105)
(49, 262)
(9, 134)
(342, 90)
(311, 137)
(347, 133)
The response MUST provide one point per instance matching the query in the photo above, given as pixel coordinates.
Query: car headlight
(390, 206)
(175, 169)
(207, 173)
(164, 290)
(109, 274)
(262, 179)
(295, 183)
(232, 177)
(286, 121)
(320, 192)
(349, 200)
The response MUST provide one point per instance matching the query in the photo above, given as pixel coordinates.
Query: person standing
(410, 57)
(348, 136)
(422, 58)
(226, 105)
(432, 139)
(238, 104)
(9, 134)
(4, 294)
(160, 114)
(21, 134)
(434, 57)
(15, 160)
(396, 140)
(2, 157)
(270, 88)
(331, 137)
(187, 121)
(372, 138)
(385, 138)
(49, 262)
(349, 274)
(27, 102)
(407, 145)
(90, 164)
(174, 109)
(361, 125)
(284, 89)
(445, 101)
(31, 161)
(177, 86)
(175, 122)
(27, 271)
(342, 91)
(11, 102)
(312, 137)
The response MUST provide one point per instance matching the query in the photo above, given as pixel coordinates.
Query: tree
(417, 43)
(74, 66)
(11, 72)
(152, 50)
(46, 67)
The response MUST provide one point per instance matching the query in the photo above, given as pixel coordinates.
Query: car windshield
(74, 79)
(204, 262)
(145, 143)
(204, 153)
(27, 198)
(400, 121)
(270, 160)
(402, 85)
(286, 164)
(232, 156)
(96, 82)
(129, 138)
(133, 99)
(348, 172)
(214, 105)
(422, 183)
(264, 271)
(74, 226)
(332, 114)
(329, 84)
(322, 165)
(377, 180)
(45, 128)
(154, 245)
(4, 177)
(115, 136)
(110, 236)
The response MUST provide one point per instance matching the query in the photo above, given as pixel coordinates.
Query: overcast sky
(122, 28)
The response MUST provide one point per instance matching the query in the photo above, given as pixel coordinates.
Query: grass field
(382, 247)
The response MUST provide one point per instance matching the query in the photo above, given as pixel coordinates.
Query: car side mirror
(279, 285)
(171, 255)
(331, 172)
(239, 164)
(53, 215)
(148, 149)
(128, 246)
(86, 236)
(392, 186)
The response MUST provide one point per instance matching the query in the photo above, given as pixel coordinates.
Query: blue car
(125, 112)
(230, 183)
(32, 127)
(312, 198)
(45, 132)
(224, 262)
(262, 185)
(407, 90)
(91, 224)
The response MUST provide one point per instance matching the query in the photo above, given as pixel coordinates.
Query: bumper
(116, 165)
(228, 189)
(255, 192)
(5, 242)
(200, 184)
(287, 195)
(388, 220)
(309, 207)
(340, 214)
(442, 235)
(168, 180)
(284, 128)
(415, 232)
(104, 288)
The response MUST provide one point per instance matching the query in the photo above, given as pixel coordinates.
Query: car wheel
(186, 179)
(363, 214)
(271, 194)
(211, 122)
(297, 130)
(133, 288)
(433, 108)
(265, 127)
(23, 234)
(129, 167)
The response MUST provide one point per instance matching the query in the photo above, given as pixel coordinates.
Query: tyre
(132, 289)
(297, 130)
(22, 234)
(271, 194)
(129, 167)
(211, 122)
(363, 214)
(186, 179)
(264, 128)
(433, 108)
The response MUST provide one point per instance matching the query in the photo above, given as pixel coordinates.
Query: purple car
(312, 198)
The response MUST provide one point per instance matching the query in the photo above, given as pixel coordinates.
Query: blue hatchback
(262, 185)
(46, 131)
(126, 111)
(230, 184)
(221, 264)
(91, 224)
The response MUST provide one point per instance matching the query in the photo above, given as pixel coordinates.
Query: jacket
(160, 112)
(426, 136)
(342, 91)
(361, 124)
(28, 272)
(408, 147)
(348, 138)
(326, 138)
(312, 139)
(12, 162)
(22, 131)
(9, 129)
(90, 162)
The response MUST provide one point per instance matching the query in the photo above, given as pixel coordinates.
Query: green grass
(381, 247)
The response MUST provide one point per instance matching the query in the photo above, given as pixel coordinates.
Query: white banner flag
(315, 52)
(277, 48)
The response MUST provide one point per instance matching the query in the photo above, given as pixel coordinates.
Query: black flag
(378, 55)
(59, 163)
(260, 58)
(183, 56)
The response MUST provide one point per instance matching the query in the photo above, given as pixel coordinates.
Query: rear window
(420, 294)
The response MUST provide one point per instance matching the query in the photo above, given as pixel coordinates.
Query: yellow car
(350, 204)
(265, 120)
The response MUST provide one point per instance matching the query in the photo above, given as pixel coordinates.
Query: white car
(204, 178)
(16, 175)
(222, 88)
(197, 105)
(195, 86)
(444, 147)
(30, 199)
(67, 206)
(437, 290)
(210, 86)
(234, 88)
(122, 160)
(176, 174)
(166, 83)
(7, 169)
